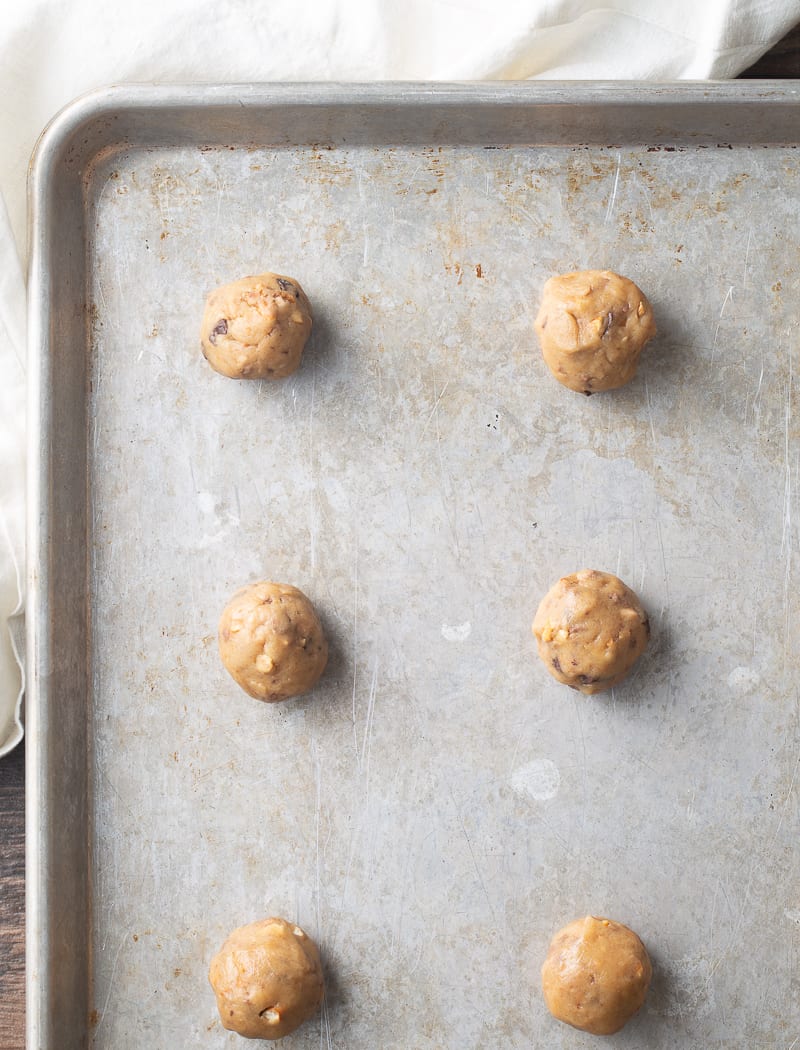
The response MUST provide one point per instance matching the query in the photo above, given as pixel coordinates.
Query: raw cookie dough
(592, 326)
(267, 978)
(591, 629)
(271, 641)
(256, 328)
(596, 975)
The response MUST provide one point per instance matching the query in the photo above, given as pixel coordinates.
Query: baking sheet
(440, 806)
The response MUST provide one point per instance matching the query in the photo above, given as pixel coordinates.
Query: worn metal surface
(439, 805)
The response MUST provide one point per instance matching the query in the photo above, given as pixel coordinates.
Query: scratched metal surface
(440, 806)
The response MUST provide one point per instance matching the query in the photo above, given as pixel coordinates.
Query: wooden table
(783, 62)
(12, 901)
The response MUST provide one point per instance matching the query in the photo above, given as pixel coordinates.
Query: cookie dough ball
(271, 641)
(267, 978)
(592, 326)
(596, 975)
(256, 328)
(591, 629)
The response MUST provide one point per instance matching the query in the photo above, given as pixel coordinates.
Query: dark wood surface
(12, 901)
(782, 62)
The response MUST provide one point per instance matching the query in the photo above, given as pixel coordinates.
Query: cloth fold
(12, 486)
(53, 50)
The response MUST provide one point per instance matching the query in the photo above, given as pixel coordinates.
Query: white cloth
(12, 485)
(53, 50)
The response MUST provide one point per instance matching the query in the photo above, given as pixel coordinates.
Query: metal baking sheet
(439, 806)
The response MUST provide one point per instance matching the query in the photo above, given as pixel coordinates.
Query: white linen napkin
(12, 485)
(54, 50)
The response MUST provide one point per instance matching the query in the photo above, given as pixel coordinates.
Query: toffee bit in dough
(256, 328)
(271, 641)
(592, 326)
(591, 624)
(596, 975)
(267, 978)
